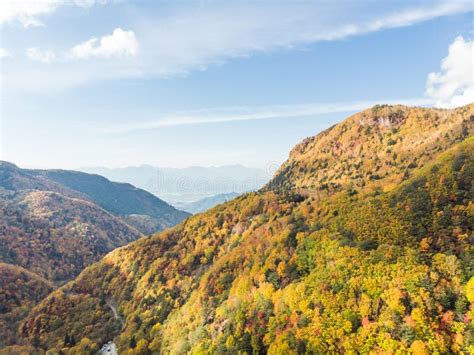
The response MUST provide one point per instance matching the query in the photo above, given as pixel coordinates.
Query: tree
(133, 342)
(67, 340)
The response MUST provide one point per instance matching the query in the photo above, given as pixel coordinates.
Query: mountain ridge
(119, 199)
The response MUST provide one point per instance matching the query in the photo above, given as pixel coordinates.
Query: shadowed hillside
(120, 199)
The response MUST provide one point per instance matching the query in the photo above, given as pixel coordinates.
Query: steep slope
(57, 236)
(361, 267)
(120, 199)
(21, 289)
(378, 147)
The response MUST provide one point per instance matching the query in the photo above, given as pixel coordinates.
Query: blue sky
(120, 83)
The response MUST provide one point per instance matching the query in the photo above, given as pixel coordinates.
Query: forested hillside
(57, 236)
(54, 228)
(378, 147)
(20, 291)
(120, 199)
(363, 242)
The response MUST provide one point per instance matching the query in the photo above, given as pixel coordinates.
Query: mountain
(206, 203)
(57, 236)
(120, 199)
(55, 223)
(384, 143)
(375, 258)
(187, 184)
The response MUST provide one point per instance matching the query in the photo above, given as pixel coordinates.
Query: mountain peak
(382, 143)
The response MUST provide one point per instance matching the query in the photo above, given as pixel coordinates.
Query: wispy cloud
(232, 114)
(43, 56)
(188, 37)
(193, 39)
(411, 16)
(29, 12)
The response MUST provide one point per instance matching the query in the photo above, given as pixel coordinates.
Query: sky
(209, 83)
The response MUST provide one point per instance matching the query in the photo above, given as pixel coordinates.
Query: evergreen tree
(67, 340)
(133, 342)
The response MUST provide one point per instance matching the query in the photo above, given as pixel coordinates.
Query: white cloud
(231, 114)
(41, 56)
(119, 44)
(187, 37)
(27, 12)
(454, 85)
(4, 53)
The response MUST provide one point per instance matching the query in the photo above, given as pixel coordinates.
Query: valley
(53, 224)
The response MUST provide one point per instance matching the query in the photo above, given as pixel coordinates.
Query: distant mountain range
(190, 184)
(205, 203)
